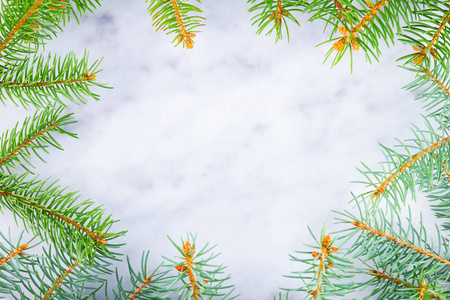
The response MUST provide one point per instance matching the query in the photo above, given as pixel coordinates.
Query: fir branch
(50, 277)
(275, 10)
(329, 11)
(19, 25)
(323, 255)
(152, 286)
(350, 36)
(188, 255)
(32, 22)
(362, 25)
(95, 237)
(34, 134)
(41, 275)
(33, 84)
(196, 268)
(50, 213)
(25, 143)
(402, 172)
(327, 272)
(28, 22)
(173, 15)
(439, 31)
(374, 231)
(397, 254)
(203, 281)
(380, 189)
(12, 272)
(185, 36)
(69, 270)
(278, 14)
(437, 94)
(18, 251)
(144, 284)
(34, 81)
(421, 289)
(423, 36)
(436, 80)
(379, 275)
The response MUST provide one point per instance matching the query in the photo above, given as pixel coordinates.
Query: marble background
(240, 140)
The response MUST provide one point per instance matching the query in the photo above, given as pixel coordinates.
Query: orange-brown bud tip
(187, 248)
(355, 46)
(342, 30)
(339, 45)
(326, 240)
(180, 268)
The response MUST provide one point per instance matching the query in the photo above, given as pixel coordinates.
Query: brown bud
(326, 241)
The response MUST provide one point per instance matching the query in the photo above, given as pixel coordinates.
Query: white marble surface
(241, 140)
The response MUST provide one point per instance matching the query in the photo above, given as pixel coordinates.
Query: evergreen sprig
(387, 248)
(27, 23)
(39, 82)
(50, 212)
(433, 86)
(56, 273)
(178, 17)
(420, 166)
(28, 276)
(13, 276)
(428, 36)
(34, 135)
(327, 270)
(274, 12)
(145, 286)
(46, 208)
(197, 277)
